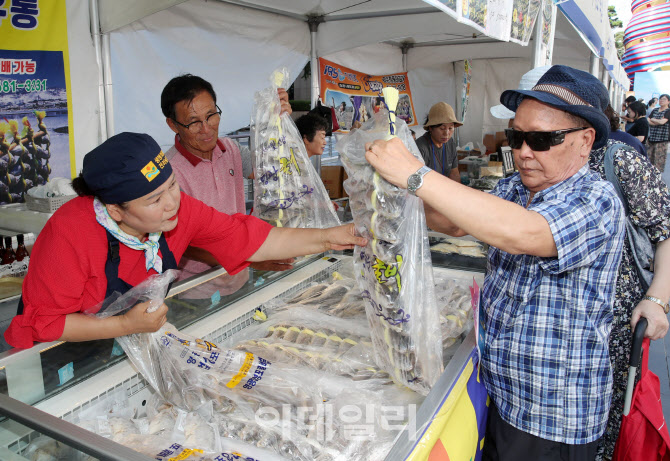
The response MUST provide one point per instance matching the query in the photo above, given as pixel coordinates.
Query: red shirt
(67, 263)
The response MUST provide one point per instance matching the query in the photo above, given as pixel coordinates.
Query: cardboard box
(344, 191)
(490, 143)
(500, 139)
(332, 177)
(493, 141)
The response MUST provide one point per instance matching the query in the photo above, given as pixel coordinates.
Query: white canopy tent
(236, 44)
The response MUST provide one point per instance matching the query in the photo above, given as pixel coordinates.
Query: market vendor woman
(131, 221)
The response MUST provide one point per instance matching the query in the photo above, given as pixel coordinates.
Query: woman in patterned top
(657, 143)
(648, 203)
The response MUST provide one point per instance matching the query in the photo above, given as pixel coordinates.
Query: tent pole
(94, 17)
(313, 23)
(404, 47)
(456, 94)
(107, 74)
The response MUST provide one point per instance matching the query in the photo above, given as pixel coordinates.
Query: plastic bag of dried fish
(169, 357)
(340, 297)
(287, 190)
(177, 451)
(307, 337)
(394, 270)
(44, 448)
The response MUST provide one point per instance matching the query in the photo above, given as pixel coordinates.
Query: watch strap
(653, 299)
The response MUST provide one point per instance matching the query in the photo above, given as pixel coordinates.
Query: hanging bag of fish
(188, 372)
(288, 192)
(394, 270)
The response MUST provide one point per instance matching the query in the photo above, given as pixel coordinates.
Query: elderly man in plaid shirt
(556, 233)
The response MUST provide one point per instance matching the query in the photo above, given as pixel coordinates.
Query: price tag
(66, 373)
(216, 298)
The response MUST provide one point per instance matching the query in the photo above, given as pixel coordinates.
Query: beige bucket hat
(441, 113)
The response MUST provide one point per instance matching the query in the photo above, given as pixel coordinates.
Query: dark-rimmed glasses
(538, 140)
(195, 127)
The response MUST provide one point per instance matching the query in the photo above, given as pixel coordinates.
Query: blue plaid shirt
(546, 362)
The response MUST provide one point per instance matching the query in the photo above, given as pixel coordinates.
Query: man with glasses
(556, 232)
(207, 167)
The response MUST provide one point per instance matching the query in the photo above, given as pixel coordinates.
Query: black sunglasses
(538, 140)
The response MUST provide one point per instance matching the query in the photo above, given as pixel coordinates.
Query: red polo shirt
(219, 183)
(67, 263)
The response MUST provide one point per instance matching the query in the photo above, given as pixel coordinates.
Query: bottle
(21, 251)
(8, 256)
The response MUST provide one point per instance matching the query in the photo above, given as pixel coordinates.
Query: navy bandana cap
(125, 167)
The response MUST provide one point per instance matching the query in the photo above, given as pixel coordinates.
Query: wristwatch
(665, 306)
(416, 180)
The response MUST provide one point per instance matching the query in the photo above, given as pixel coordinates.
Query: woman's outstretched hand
(341, 238)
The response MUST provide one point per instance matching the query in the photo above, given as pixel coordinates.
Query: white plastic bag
(394, 270)
(287, 190)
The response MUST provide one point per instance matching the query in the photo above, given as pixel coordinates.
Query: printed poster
(474, 13)
(355, 96)
(548, 24)
(524, 14)
(36, 142)
(499, 19)
(448, 6)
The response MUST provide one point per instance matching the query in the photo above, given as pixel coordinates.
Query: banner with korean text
(355, 96)
(36, 142)
(457, 428)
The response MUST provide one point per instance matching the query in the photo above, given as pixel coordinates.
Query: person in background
(129, 222)
(624, 112)
(637, 111)
(621, 136)
(527, 82)
(313, 130)
(657, 142)
(556, 232)
(437, 144)
(647, 203)
(651, 105)
(209, 168)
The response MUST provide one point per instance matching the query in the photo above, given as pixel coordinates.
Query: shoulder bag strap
(611, 175)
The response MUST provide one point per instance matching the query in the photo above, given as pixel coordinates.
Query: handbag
(638, 239)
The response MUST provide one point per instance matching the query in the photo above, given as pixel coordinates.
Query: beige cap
(441, 113)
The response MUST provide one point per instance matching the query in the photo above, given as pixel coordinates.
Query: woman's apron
(102, 350)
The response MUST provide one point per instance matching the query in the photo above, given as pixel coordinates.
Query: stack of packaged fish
(394, 270)
(287, 190)
(298, 386)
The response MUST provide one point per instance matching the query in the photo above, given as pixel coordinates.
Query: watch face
(413, 182)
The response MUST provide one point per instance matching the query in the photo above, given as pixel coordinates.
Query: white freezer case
(19, 370)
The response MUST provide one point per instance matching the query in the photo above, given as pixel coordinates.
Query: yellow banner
(36, 136)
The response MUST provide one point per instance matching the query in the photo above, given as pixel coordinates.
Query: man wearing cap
(437, 145)
(209, 168)
(129, 222)
(555, 231)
